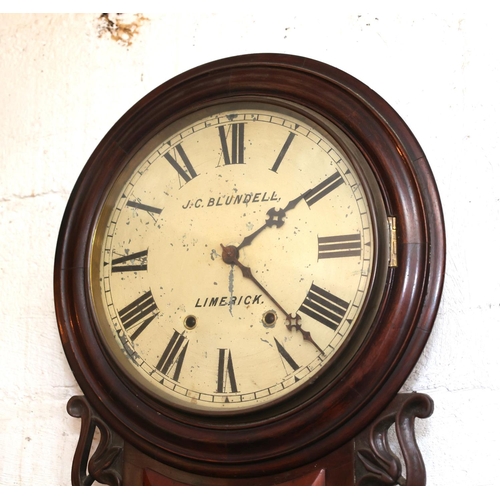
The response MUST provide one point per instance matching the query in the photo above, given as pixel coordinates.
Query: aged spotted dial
(233, 258)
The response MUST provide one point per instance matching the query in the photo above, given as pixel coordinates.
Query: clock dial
(233, 258)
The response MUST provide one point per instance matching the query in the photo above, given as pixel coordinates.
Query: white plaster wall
(62, 87)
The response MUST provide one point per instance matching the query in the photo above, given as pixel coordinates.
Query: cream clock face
(232, 259)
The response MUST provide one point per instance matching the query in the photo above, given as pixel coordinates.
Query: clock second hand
(230, 256)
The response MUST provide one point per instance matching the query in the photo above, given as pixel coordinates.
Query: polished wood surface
(262, 444)
(368, 459)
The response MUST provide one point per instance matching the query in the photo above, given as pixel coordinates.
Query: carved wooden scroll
(376, 463)
(105, 465)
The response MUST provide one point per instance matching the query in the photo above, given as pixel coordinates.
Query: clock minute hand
(230, 256)
(276, 218)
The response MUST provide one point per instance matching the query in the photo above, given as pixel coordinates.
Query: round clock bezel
(359, 330)
(401, 324)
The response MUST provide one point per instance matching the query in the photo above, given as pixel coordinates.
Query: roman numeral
(146, 208)
(286, 356)
(331, 247)
(236, 137)
(133, 262)
(323, 188)
(324, 307)
(139, 314)
(283, 151)
(187, 172)
(225, 372)
(171, 356)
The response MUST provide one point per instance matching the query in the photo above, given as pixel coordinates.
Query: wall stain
(120, 27)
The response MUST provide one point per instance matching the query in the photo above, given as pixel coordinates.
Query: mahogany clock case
(287, 437)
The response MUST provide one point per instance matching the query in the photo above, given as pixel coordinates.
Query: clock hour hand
(276, 218)
(230, 256)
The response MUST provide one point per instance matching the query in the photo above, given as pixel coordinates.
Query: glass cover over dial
(233, 258)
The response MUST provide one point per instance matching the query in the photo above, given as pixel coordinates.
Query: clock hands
(276, 218)
(230, 256)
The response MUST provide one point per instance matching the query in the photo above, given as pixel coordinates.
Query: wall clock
(247, 271)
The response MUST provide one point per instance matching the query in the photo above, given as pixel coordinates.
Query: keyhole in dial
(190, 322)
(269, 318)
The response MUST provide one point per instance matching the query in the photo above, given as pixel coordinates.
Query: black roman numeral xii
(232, 143)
